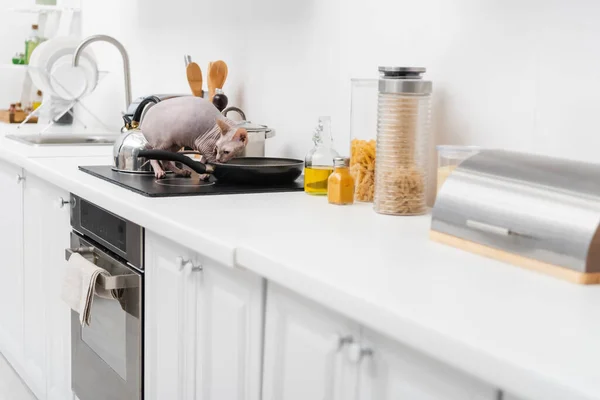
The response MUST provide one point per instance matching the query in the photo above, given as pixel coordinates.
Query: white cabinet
(46, 317)
(170, 306)
(229, 331)
(390, 370)
(508, 396)
(304, 356)
(11, 264)
(203, 326)
(312, 353)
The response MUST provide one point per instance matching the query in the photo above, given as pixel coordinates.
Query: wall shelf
(43, 9)
(13, 66)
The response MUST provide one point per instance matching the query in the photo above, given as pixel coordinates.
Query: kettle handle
(237, 110)
(137, 116)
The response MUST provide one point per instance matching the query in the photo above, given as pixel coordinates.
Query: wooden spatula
(217, 75)
(194, 77)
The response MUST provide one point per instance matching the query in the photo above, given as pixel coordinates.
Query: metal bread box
(537, 212)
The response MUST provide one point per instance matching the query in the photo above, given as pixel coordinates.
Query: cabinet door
(47, 332)
(390, 371)
(230, 327)
(303, 357)
(11, 264)
(170, 313)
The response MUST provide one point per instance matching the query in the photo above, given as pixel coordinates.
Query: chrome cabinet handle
(181, 263)
(20, 178)
(61, 202)
(193, 267)
(356, 352)
(340, 341)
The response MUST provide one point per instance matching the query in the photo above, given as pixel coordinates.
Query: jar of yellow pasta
(363, 130)
(450, 157)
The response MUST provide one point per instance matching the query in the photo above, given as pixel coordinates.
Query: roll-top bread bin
(537, 212)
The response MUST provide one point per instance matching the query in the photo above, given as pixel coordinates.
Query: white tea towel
(79, 286)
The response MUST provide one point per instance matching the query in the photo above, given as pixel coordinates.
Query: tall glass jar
(363, 130)
(403, 130)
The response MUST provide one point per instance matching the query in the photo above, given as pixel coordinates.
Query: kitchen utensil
(217, 75)
(194, 76)
(257, 134)
(210, 84)
(249, 170)
(534, 211)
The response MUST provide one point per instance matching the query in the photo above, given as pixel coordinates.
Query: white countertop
(527, 333)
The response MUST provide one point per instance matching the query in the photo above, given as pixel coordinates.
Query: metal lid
(402, 71)
(341, 162)
(403, 80)
(250, 127)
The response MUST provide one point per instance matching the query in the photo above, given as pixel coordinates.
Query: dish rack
(52, 109)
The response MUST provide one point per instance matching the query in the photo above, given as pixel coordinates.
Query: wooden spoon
(194, 77)
(217, 75)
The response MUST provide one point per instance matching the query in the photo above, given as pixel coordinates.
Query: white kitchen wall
(522, 75)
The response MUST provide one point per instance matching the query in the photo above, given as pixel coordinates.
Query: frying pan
(247, 170)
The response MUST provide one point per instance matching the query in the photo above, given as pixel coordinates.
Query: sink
(64, 140)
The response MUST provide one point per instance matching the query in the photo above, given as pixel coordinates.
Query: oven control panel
(117, 234)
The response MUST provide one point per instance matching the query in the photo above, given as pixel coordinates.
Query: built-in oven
(107, 355)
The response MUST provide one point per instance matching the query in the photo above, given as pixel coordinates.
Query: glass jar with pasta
(403, 130)
(363, 130)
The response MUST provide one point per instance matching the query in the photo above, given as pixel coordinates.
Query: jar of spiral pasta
(403, 130)
(363, 130)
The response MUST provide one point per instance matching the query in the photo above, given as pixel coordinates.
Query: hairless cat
(193, 122)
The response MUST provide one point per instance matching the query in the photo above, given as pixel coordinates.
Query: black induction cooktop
(171, 185)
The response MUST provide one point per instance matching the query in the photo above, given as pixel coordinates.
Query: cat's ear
(223, 126)
(241, 135)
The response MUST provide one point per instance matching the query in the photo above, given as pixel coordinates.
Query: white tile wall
(516, 74)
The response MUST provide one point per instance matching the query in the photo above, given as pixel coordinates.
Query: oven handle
(112, 282)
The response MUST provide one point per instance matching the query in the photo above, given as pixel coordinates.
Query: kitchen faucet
(118, 45)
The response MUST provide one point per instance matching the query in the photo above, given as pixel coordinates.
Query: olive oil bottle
(318, 164)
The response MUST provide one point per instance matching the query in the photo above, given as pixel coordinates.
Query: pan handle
(170, 156)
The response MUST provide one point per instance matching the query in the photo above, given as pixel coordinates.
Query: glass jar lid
(403, 80)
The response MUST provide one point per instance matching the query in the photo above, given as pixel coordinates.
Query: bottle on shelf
(318, 163)
(37, 100)
(32, 42)
(18, 59)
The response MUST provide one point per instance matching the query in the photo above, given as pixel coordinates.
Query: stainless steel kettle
(132, 140)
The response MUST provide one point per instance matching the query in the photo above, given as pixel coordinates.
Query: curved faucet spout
(121, 48)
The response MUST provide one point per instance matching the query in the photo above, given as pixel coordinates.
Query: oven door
(106, 356)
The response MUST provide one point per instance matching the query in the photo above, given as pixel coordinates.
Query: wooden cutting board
(591, 278)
